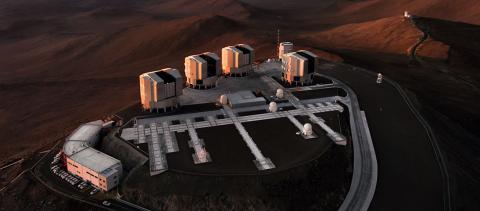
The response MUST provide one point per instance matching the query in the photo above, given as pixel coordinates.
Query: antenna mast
(278, 36)
(278, 41)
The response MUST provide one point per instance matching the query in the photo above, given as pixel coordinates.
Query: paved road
(409, 176)
(414, 49)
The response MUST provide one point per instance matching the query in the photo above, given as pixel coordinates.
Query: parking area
(59, 175)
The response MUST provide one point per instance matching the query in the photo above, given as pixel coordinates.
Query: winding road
(414, 49)
(411, 168)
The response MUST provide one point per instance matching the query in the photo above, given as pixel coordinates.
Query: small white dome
(223, 99)
(273, 107)
(202, 155)
(280, 93)
(307, 129)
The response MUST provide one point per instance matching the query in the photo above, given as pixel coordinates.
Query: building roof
(207, 58)
(203, 57)
(79, 139)
(173, 72)
(86, 131)
(197, 58)
(95, 160)
(167, 75)
(296, 55)
(211, 55)
(246, 49)
(72, 147)
(233, 48)
(245, 97)
(306, 53)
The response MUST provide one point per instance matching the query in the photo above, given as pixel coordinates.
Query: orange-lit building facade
(202, 70)
(237, 60)
(299, 67)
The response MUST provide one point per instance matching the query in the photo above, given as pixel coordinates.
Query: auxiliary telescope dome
(307, 129)
(273, 107)
(223, 99)
(279, 93)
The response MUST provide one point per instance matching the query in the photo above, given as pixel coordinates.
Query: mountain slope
(394, 35)
(335, 12)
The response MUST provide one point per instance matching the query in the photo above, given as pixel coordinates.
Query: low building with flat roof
(160, 89)
(202, 70)
(299, 67)
(244, 99)
(96, 167)
(237, 60)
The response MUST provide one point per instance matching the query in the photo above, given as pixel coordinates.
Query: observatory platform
(244, 135)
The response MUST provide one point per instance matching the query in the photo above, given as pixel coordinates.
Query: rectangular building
(100, 169)
(244, 99)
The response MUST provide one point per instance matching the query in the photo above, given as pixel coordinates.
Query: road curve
(365, 170)
(414, 49)
(408, 171)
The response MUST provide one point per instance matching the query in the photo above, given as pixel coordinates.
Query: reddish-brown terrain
(65, 62)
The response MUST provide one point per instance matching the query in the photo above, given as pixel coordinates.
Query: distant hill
(349, 11)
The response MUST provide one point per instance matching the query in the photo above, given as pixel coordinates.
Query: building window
(296, 78)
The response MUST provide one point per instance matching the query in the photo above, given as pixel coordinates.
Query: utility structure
(237, 60)
(159, 90)
(202, 70)
(299, 67)
(284, 48)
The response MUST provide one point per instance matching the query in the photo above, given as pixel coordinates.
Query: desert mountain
(348, 11)
(64, 62)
